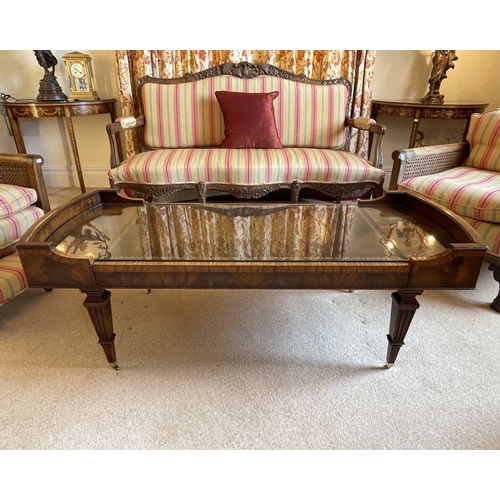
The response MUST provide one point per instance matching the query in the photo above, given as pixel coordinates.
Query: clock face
(77, 70)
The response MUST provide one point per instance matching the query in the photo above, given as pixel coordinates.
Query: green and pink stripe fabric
(16, 217)
(12, 277)
(469, 192)
(188, 115)
(488, 231)
(245, 166)
(15, 198)
(484, 139)
(14, 226)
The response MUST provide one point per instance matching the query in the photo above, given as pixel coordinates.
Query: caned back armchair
(23, 200)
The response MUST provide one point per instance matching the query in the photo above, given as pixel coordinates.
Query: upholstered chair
(23, 200)
(463, 177)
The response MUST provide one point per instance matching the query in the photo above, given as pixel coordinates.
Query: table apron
(58, 111)
(249, 280)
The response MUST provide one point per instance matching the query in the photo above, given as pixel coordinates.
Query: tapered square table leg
(98, 304)
(404, 305)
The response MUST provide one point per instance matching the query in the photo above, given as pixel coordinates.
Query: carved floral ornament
(91, 110)
(423, 112)
(37, 111)
(336, 190)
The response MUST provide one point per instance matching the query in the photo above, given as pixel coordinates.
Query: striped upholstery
(490, 233)
(244, 166)
(17, 215)
(188, 115)
(484, 139)
(14, 226)
(12, 278)
(469, 192)
(15, 198)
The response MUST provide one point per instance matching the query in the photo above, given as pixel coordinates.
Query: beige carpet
(226, 369)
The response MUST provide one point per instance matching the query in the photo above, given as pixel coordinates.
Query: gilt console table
(417, 110)
(398, 242)
(66, 110)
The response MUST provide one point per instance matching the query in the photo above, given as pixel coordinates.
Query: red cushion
(249, 120)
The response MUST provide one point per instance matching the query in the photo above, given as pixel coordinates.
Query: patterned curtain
(354, 65)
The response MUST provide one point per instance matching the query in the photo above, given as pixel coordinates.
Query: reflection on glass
(87, 240)
(242, 233)
(258, 232)
(409, 235)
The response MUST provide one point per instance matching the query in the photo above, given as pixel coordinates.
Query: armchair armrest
(26, 171)
(113, 130)
(372, 127)
(426, 161)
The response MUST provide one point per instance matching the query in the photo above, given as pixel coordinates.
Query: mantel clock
(81, 76)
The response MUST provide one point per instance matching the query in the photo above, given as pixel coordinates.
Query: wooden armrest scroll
(372, 127)
(113, 129)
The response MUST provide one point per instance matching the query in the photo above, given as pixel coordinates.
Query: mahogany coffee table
(398, 242)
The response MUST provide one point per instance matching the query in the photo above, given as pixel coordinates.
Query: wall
(399, 74)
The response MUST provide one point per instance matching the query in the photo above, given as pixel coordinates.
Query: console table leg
(404, 305)
(74, 148)
(98, 304)
(414, 129)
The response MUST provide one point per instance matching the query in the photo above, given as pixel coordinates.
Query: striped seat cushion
(15, 198)
(244, 166)
(490, 233)
(186, 115)
(14, 226)
(469, 192)
(484, 139)
(12, 277)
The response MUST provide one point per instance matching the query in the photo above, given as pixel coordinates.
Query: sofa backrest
(187, 114)
(484, 140)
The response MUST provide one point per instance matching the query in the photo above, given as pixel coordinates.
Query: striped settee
(182, 127)
(463, 177)
(23, 200)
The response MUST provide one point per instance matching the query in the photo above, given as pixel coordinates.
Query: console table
(66, 110)
(417, 110)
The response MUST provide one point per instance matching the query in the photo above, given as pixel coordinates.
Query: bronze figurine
(49, 89)
(442, 61)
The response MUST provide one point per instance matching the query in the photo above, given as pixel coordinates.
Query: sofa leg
(496, 274)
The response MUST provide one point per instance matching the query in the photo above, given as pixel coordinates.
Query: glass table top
(302, 232)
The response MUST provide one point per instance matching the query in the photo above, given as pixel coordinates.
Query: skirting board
(66, 176)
